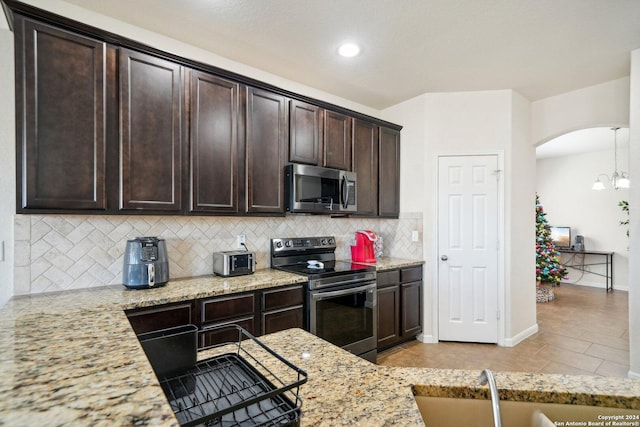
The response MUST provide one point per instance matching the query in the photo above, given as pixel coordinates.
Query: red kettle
(363, 250)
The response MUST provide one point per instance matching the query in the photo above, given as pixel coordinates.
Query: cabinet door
(210, 336)
(282, 308)
(411, 308)
(150, 140)
(304, 134)
(389, 183)
(365, 165)
(214, 143)
(279, 320)
(337, 140)
(61, 120)
(266, 141)
(388, 316)
(160, 317)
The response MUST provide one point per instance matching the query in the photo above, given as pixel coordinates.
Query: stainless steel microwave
(314, 189)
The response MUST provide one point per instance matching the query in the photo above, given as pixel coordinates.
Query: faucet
(487, 377)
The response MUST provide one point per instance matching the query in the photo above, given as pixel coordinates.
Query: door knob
(444, 257)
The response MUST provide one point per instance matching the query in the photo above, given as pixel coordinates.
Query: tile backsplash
(61, 252)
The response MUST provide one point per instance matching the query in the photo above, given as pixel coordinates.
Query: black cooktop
(330, 268)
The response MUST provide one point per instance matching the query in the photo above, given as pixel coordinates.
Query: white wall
(520, 171)
(634, 200)
(564, 185)
(7, 161)
(474, 122)
(606, 104)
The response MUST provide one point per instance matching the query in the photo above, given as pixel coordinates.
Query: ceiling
(538, 48)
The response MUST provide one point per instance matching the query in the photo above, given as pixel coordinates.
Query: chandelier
(618, 180)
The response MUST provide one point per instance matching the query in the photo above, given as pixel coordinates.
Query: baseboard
(518, 338)
(633, 375)
(597, 285)
(427, 339)
(586, 283)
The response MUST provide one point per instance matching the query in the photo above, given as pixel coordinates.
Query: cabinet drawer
(160, 317)
(279, 320)
(410, 274)
(282, 297)
(218, 309)
(388, 278)
(209, 336)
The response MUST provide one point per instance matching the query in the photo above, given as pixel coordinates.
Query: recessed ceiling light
(349, 50)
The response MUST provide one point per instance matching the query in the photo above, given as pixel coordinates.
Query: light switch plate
(414, 236)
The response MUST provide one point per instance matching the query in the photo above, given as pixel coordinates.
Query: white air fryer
(145, 263)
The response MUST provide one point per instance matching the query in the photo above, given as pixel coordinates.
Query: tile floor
(584, 331)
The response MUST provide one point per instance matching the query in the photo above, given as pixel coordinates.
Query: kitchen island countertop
(71, 358)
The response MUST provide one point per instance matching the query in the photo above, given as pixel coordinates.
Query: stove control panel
(303, 244)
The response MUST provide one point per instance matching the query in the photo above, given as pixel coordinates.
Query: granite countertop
(71, 358)
(390, 263)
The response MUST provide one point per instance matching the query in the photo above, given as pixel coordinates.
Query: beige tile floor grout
(584, 331)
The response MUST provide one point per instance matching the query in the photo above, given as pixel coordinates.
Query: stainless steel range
(341, 295)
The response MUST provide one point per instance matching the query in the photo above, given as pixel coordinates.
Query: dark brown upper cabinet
(337, 140)
(365, 165)
(318, 136)
(108, 125)
(305, 133)
(214, 104)
(60, 118)
(389, 173)
(151, 98)
(266, 141)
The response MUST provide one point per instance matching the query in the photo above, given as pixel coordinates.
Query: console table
(580, 266)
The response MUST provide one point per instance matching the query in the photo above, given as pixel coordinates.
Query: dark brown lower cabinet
(160, 317)
(399, 306)
(210, 336)
(260, 312)
(388, 315)
(282, 308)
(411, 297)
(279, 320)
(238, 309)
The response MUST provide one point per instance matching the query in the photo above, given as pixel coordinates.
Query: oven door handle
(330, 294)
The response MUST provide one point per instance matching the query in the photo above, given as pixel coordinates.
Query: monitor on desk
(561, 237)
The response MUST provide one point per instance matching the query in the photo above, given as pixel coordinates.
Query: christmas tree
(548, 266)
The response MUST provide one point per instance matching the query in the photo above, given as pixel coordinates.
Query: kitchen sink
(455, 412)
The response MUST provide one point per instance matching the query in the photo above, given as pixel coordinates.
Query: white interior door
(468, 248)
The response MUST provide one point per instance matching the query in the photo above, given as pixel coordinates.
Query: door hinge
(498, 314)
(497, 245)
(497, 173)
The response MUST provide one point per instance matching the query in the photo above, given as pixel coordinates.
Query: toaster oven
(234, 263)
